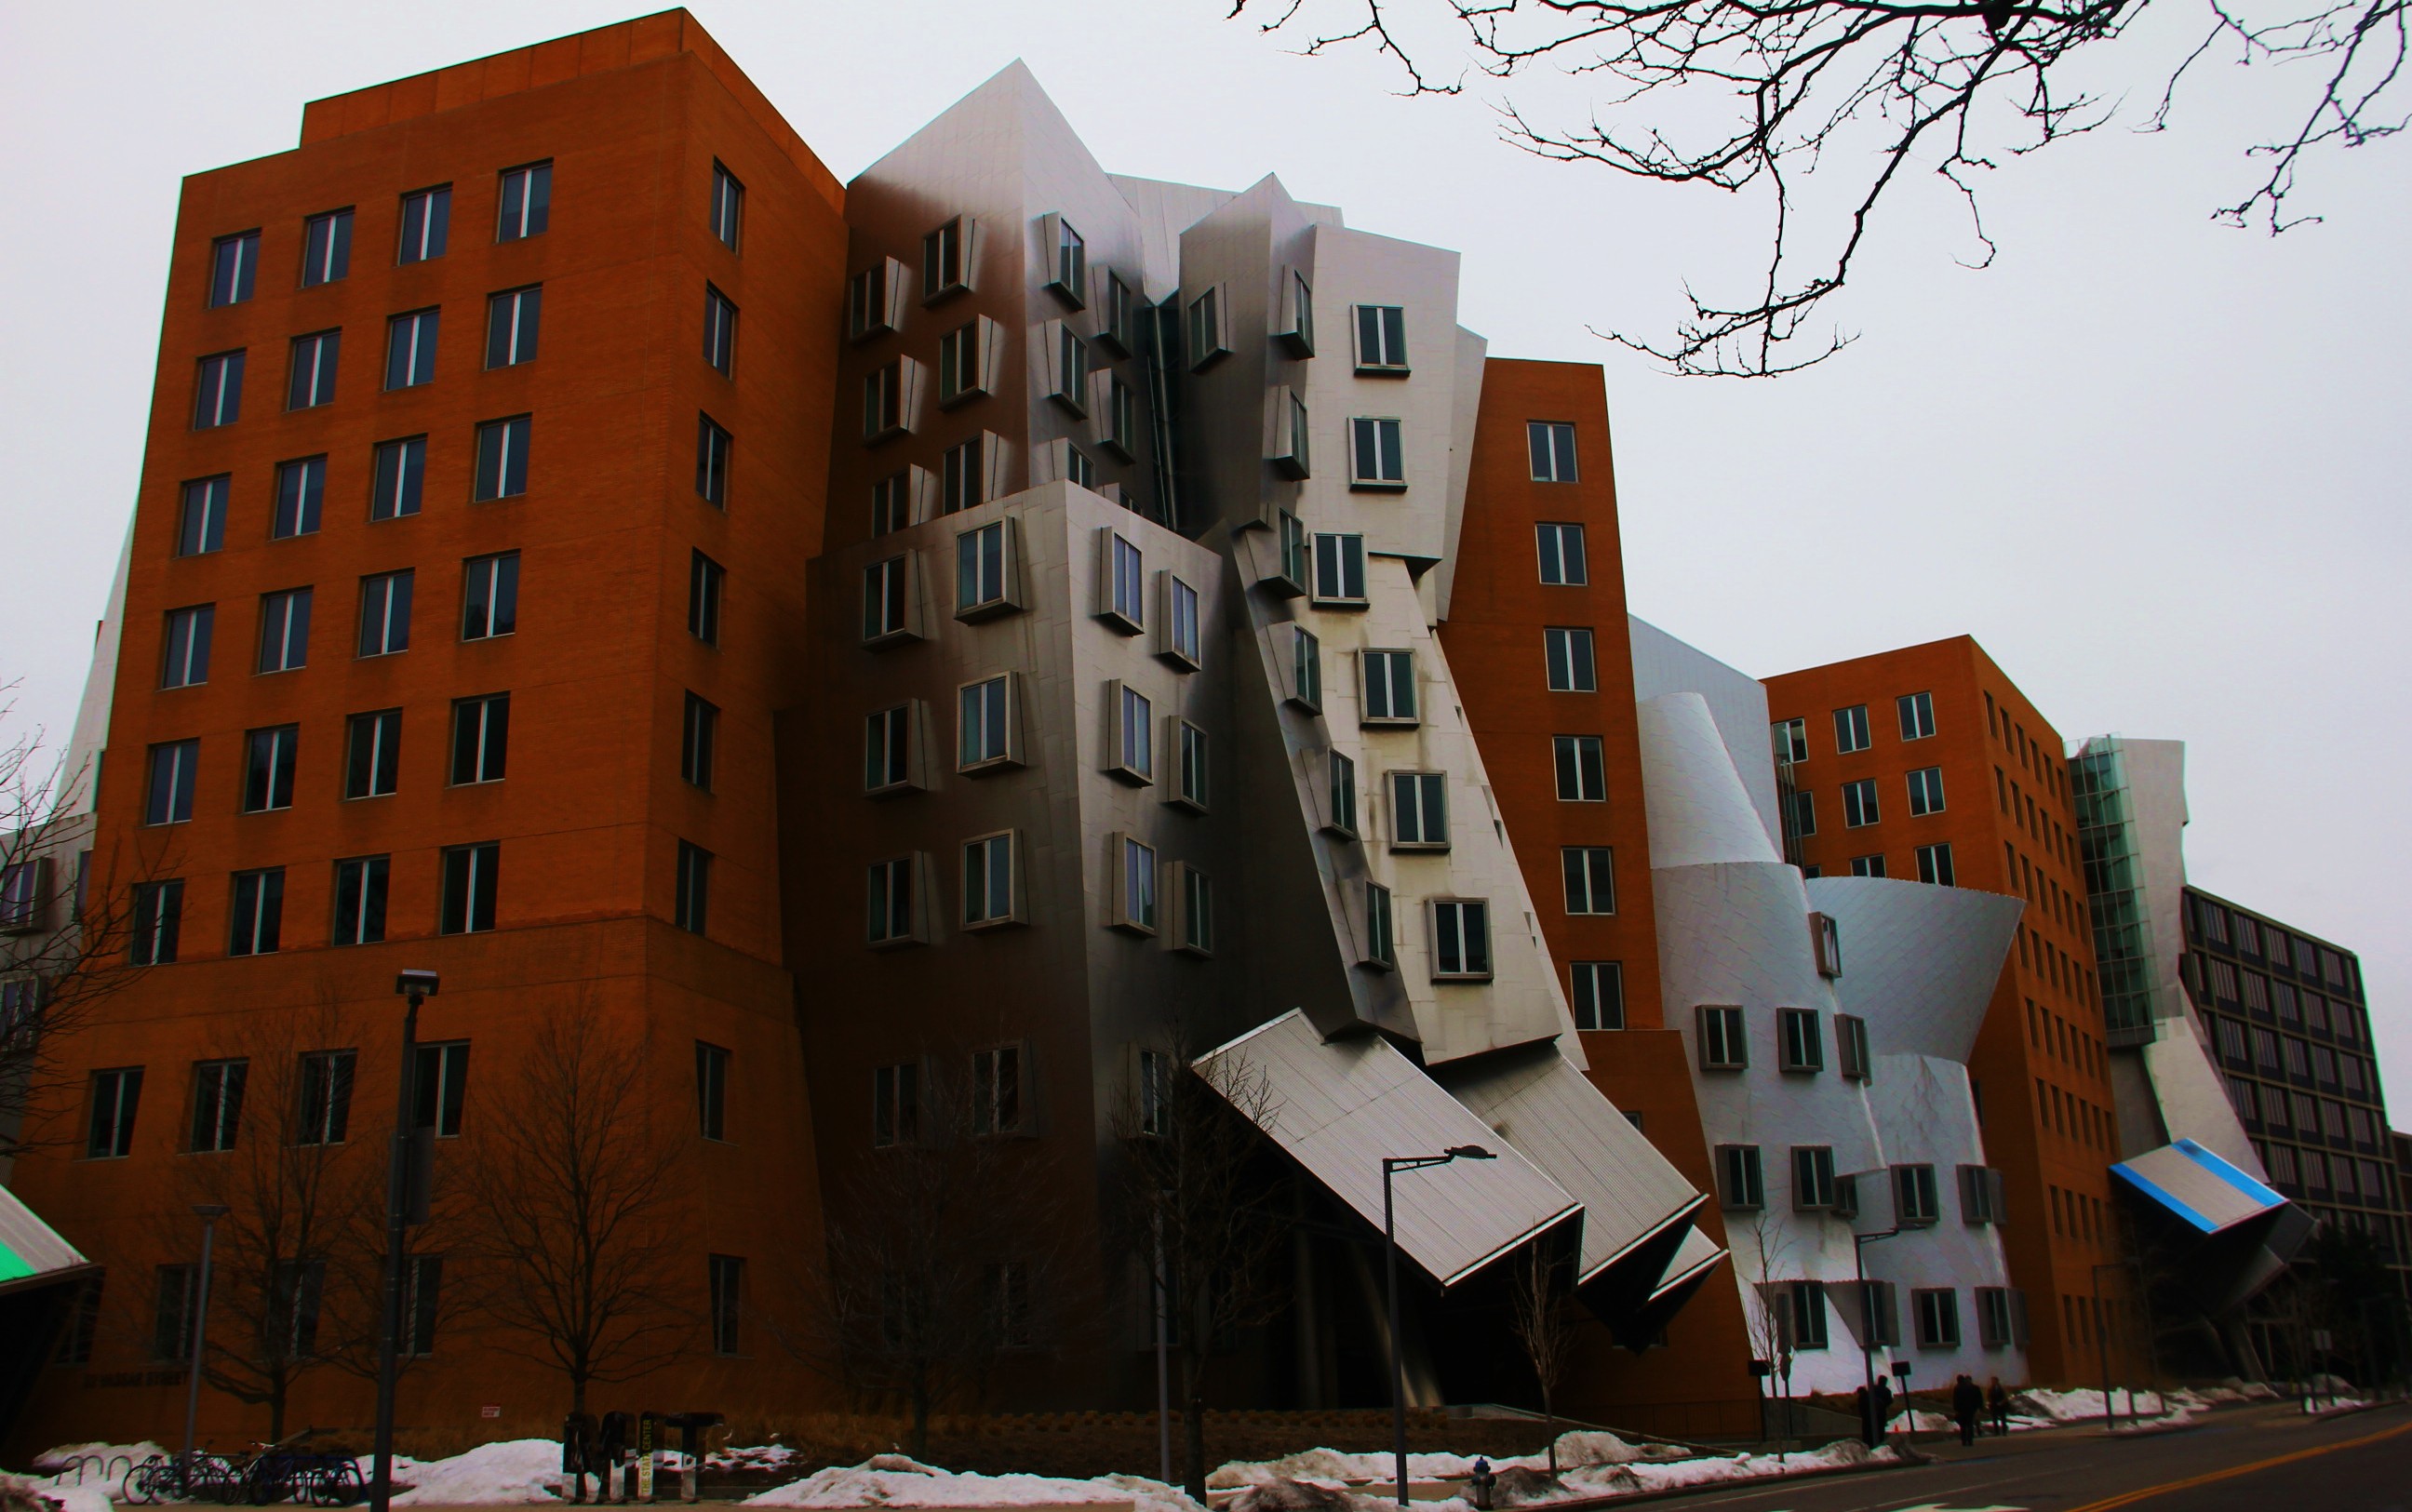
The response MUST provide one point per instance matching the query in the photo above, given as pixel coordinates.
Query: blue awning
(2207, 1192)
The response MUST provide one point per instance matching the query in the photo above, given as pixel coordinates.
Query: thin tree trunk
(1549, 1425)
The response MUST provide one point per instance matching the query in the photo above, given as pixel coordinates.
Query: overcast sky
(2157, 468)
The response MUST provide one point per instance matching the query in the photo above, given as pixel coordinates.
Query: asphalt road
(2262, 1459)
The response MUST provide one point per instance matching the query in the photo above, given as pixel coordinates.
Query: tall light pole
(1391, 1276)
(416, 986)
(2102, 1345)
(1868, 1325)
(209, 1213)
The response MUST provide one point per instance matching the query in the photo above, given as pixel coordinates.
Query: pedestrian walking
(1883, 1404)
(1966, 1403)
(1998, 1403)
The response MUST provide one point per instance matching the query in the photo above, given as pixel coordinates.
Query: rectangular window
(159, 918)
(301, 494)
(1860, 804)
(699, 738)
(1723, 1047)
(385, 613)
(234, 267)
(1189, 778)
(359, 900)
(896, 1105)
(1582, 766)
(1800, 1315)
(401, 478)
(471, 878)
(985, 720)
(1937, 1310)
(1568, 653)
(945, 261)
(1801, 1040)
(187, 660)
(526, 202)
(1597, 996)
(283, 631)
(691, 909)
(1305, 669)
(728, 216)
(502, 458)
(1851, 729)
(1209, 334)
(712, 1091)
(1791, 738)
(219, 398)
(257, 912)
(1131, 752)
(719, 332)
(1741, 1184)
(1377, 454)
(314, 359)
(170, 799)
(481, 738)
(218, 1105)
(410, 348)
(711, 449)
(1387, 687)
(1381, 934)
(326, 1101)
(269, 760)
(201, 524)
(1068, 373)
(1812, 1178)
(1121, 428)
(998, 1103)
(116, 1096)
(1419, 810)
(1192, 911)
(1116, 328)
(326, 248)
(1123, 588)
(893, 914)
(887, 600)
(965, 480)
(426, 224)
(489, 596)
(1381, 339)
(1851, 1044)
(1339, 569)
(1563, 560)
(1867, 866)
(1935, 865)
(883, 400)
(1292, 437)
(1926, 791)
(1341, 783)
(1134, 885)
(1552, 446)
(1460, 936)
(1997, 1316)
(422, 1298)
(1183, 638)
(1294, 574)
(989, 896)
(171, 1317)
(887, 749)
(1980, 1195)
(727, 1275)
(439, 1087)
(1915, 1200)
(513, 320)
(705, 578)
(892, 502)
(1591, 879)
(984, 569)
(1916, 712)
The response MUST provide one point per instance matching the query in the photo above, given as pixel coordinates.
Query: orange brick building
(464, 457)
(1517, 575)
(1928, 763)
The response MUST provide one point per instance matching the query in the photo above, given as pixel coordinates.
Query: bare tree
(64, 951)
(278, 1140)
(1542, 1314)
(1857, 89)
(929, 1277)
(568, 1198)
(1203, 1210)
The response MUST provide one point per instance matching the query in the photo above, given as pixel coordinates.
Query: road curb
(1907, 1462)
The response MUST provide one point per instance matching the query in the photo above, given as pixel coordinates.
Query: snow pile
(1333, 1467)
(894, 1480)
(2323, 1405)
(1842, 1454)
(515, 1472)
(26, 1493)
(1596, 1446)
(1922, 1422)
(755, 1457)
(2080, 1405)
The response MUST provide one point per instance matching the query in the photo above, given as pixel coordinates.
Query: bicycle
(172, 1477)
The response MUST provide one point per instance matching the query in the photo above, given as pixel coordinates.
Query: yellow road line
(2126, 1498)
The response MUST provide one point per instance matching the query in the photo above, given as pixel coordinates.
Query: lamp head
(211, 1212)
(1468, 1151)
(414, 983)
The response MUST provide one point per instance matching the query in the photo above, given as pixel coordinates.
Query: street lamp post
(416, 986)
(2102, 1344)
(1868, 1326)
(209, 1213)
(1391, 1276)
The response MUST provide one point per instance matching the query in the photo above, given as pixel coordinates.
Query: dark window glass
(489, 596)
(401, 478)
(727, 1290)
(217, 1104)
(326, 1097)
(385, 613)
(512, 321)
(481, 738)
(326, 248)
(219, 399)
(697, 744)
(719, 331)
(115, 1097)
(410, 348)
(258, 913)
(711, 1090)
(285, 630)
(727, 205)
(202, 525)
(426, 220)
(439, 1085)
(187, 661)
(171, 782)
(372, 760)
(359, 900)
(711, 446)
(705, 578)
(694, 902)
(234, 266)
(526, 202)
(300, 494)
(159, 918)
(470, 877)
(270, 757)
(314, 358)
(502, 458)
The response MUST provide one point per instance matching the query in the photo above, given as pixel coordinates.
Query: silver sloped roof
(31, 1252)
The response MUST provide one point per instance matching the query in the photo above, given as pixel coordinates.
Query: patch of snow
(28, 1490)
(894, 1480)
(2077, 1407)
(513, 1472)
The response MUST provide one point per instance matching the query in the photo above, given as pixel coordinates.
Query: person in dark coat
(578, 1455)
(1966, 1403)
(1883, 1405)
(1867, 1417)
(1997, 1401)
